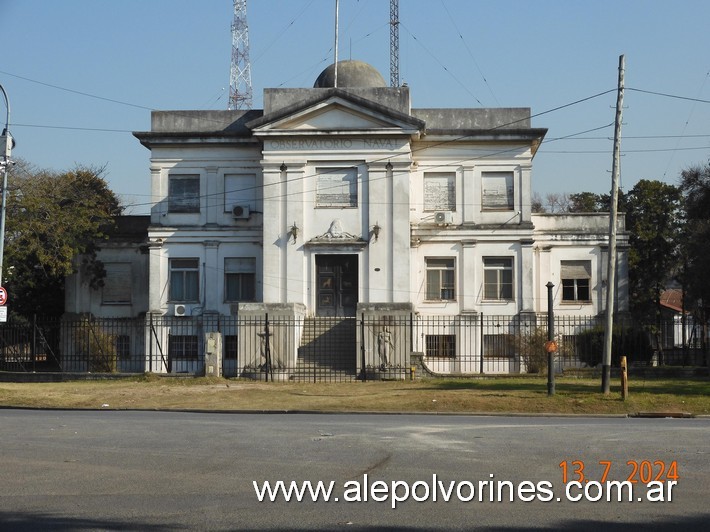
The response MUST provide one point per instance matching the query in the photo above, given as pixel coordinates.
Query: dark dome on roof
(350, 74)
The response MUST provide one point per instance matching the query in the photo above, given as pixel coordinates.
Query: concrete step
(327, 349)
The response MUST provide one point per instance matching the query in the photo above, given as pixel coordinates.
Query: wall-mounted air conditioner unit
(240, 212)
(183, 310)
(443, 217)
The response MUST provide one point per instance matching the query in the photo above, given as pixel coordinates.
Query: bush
(625, 341)
(533, 352)
(96, 346)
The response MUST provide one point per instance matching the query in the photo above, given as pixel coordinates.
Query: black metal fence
(287, 348)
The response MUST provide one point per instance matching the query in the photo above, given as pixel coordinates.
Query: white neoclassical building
(333, 201)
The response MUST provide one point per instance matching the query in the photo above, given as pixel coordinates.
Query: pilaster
(527, 279)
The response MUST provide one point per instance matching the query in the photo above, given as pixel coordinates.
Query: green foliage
(97, 346)
(585, 202)
(531, 347)
(630, 342)
(653, 218)
(695, 186)
(51, 218)
(532, 350)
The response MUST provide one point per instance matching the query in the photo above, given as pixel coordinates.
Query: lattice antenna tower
(394, 43)
(240, 91)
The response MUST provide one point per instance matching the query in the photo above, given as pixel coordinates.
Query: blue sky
(120, 58)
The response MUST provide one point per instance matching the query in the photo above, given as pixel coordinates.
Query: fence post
(34, 342)
(481, 346)
(362, 346)
(267, 349)
(150, 343)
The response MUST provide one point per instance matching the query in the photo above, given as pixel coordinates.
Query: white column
(525, 195)
(273, 234)
(527, 277)
(293, 257)
(468, 194)
(402, 290)
(379, 268)
(544, 275)
(157, 282)
(468, 276)
(213, 275)
(158, 196)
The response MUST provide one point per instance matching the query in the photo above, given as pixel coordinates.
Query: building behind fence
(290, 346)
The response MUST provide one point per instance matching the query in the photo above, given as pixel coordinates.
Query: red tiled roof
(672, 299)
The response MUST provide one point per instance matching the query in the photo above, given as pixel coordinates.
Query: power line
(666, 95)
(470, 53)
(75, 128)
(442, 65)
(81, 93)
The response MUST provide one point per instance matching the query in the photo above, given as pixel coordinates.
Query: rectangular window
(123, 346)
(230, 347)
(184, 193)
(239, 279)
(182, 347)
(117, 284)
(336, 187)
(576, 276)
(441, 345)
(440, 280)
(498, 279)
(498, 345)
(497, 190)
(239, 190)
(439, 191)
(185, 280)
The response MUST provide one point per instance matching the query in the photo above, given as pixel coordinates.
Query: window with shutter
(117, 284)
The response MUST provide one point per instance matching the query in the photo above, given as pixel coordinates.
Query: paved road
(170, 471)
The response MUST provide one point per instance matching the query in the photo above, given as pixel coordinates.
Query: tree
(536, 203)
(584, 202)
(52, 218)
(653, 219)
(557, 202)
(695, 187)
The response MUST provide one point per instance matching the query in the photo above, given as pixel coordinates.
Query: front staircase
(328, 350)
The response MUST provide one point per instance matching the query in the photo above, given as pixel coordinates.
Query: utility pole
(611, 264)
(240, 90)
(6, 145)
(394, 43)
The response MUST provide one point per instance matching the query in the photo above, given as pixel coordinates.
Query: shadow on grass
(681, 388)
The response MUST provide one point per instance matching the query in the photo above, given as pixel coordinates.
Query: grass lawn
(491, 395)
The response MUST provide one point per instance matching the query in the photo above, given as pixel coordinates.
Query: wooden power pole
(611, 264)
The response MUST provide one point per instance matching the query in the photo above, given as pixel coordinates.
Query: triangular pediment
(335, 117)
(337, 113)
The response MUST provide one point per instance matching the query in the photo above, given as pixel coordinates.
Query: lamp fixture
(388, 166)
(376, 230)
(293, 232)
(283, 167)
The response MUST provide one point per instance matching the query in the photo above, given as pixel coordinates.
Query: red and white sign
(3, 296)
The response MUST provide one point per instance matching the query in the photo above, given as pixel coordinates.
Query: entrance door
(337, 285)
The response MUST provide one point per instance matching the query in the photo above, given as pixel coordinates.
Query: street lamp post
(7, 144)
(550, 345)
